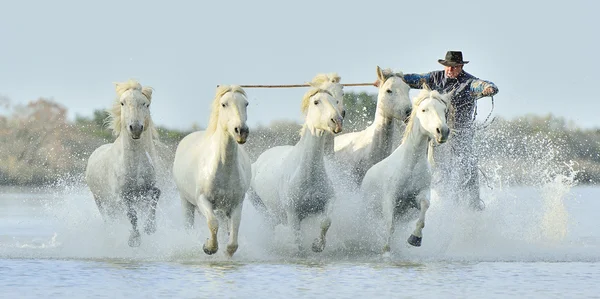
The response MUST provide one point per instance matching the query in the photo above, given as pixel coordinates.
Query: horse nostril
(237, 130)
(344, 114)
(142, 127)
(438, 130)
(130, 127)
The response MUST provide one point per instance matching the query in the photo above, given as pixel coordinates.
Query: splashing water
(528, 217)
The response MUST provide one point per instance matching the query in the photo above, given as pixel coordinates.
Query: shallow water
(529, 242)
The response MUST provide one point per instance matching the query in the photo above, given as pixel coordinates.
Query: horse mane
(113, 120)
(310, 93)
(319, 79)
(384, 74)
(389, 73)
(214, 112)
(423, 95)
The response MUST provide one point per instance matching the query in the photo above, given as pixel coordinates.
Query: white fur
(212, 172)
(402, 180)
(331, 83)
(288, 181)
(358, 151)
(126, 166)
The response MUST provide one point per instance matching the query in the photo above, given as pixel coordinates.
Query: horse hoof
(386, 249)
(134, 239)
(210, 251)
(231, 249)
(150, 228)
(318, 245)
(414, 240)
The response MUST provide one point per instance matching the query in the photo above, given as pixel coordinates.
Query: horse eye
(246, 104)
(122, 104)
(223, 105)
(316, 102)
(389, 91)
(423, 110)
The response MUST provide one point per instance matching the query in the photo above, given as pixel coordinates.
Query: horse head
(431, 110)
(229, 112)
(393, 98)
(132, 109)
(331, 83)
(321, 111)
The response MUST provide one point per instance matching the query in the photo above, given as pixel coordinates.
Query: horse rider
(465, 90)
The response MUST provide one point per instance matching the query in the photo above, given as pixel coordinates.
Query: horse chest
(310, 196)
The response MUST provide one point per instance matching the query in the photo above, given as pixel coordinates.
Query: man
(462, 169)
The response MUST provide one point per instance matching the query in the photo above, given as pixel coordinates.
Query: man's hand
(376, 83)
(488, 91)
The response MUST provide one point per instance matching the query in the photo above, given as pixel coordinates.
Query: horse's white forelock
(213, 121)
(114, 118)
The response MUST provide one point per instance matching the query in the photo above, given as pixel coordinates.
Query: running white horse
(289, 183)
(211, 170)
(363, 149)
(331, 83)
(402, 180)
(122, 175)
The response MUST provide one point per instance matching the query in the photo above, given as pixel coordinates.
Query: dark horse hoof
(210, 251)
(414, 240)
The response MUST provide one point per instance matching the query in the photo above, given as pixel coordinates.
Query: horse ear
(147, 91)
(426, 87)
(380, 75)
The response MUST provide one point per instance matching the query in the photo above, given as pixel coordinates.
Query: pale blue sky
(543, 56)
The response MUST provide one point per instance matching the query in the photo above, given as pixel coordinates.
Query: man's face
(453, 71)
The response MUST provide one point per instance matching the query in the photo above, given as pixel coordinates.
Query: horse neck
(383, 132)
(136, 151)
(415, 146)
(226, 146)
(310, 149)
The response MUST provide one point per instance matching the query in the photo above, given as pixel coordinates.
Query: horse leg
(206, 208)
(417, 235)
(188, 213)
(101, 208)
(134, 237)
(319, 243)
(150, 226)
(234, 226)
(390, 218)
(294, 222)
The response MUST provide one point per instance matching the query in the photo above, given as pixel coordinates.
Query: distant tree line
(39, 145)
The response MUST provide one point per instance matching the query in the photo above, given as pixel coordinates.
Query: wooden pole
(299, 85)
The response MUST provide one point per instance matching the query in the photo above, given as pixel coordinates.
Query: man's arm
(416, 81)
(482, 88)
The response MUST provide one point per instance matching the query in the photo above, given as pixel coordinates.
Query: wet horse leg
(319, 243)
(188, 213)
(389, 214)
(206, 208)
(154, 194)
(417, 235)
(234, 226)
(134, 237)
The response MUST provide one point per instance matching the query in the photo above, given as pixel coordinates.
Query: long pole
(298, 85)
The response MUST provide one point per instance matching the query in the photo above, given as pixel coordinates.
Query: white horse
(289, 183)
(212, 172)
(402, 180)
(123, 172)
(331, 83)
(363, 149)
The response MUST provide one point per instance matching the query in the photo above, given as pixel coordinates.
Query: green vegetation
(39, 145)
